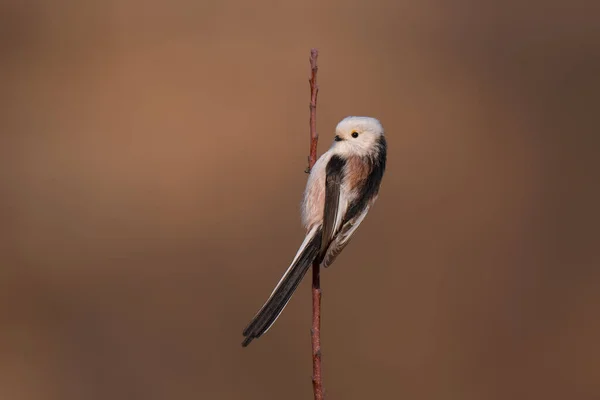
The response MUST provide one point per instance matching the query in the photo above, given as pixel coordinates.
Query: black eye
(354, 134)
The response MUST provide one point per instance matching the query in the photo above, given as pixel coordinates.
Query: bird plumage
(342, 186)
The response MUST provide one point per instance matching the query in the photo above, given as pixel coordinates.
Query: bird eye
(354, 134)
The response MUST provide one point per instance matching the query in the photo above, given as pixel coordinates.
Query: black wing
(342, 238)
(333, 183)
(359, 208)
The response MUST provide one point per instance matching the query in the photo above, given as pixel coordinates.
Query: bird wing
(343, 238)
(333, 201)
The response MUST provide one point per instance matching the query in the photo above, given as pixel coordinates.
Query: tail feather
(286, 287)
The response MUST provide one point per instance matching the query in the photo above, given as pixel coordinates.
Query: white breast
(314, 194)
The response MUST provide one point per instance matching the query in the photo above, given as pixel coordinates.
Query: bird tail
(286, 287)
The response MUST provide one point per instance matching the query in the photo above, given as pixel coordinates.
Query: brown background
(152, 167)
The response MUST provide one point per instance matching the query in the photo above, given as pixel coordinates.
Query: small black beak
(337, 138)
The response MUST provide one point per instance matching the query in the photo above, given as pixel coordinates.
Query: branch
(314, 89)
(315, 332)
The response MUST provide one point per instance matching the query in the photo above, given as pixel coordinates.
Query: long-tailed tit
(342, 187)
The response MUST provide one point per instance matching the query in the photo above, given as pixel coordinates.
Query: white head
(357, 136)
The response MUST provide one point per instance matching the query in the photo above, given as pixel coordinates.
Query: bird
(342, 187)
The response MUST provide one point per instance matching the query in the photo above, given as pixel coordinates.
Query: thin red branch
(317, 379)
(314, 89)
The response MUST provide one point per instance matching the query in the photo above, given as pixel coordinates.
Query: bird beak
(337, 138)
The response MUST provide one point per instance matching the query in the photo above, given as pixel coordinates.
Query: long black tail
(286, 287)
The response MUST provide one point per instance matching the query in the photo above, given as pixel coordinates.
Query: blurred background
(151, 166)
